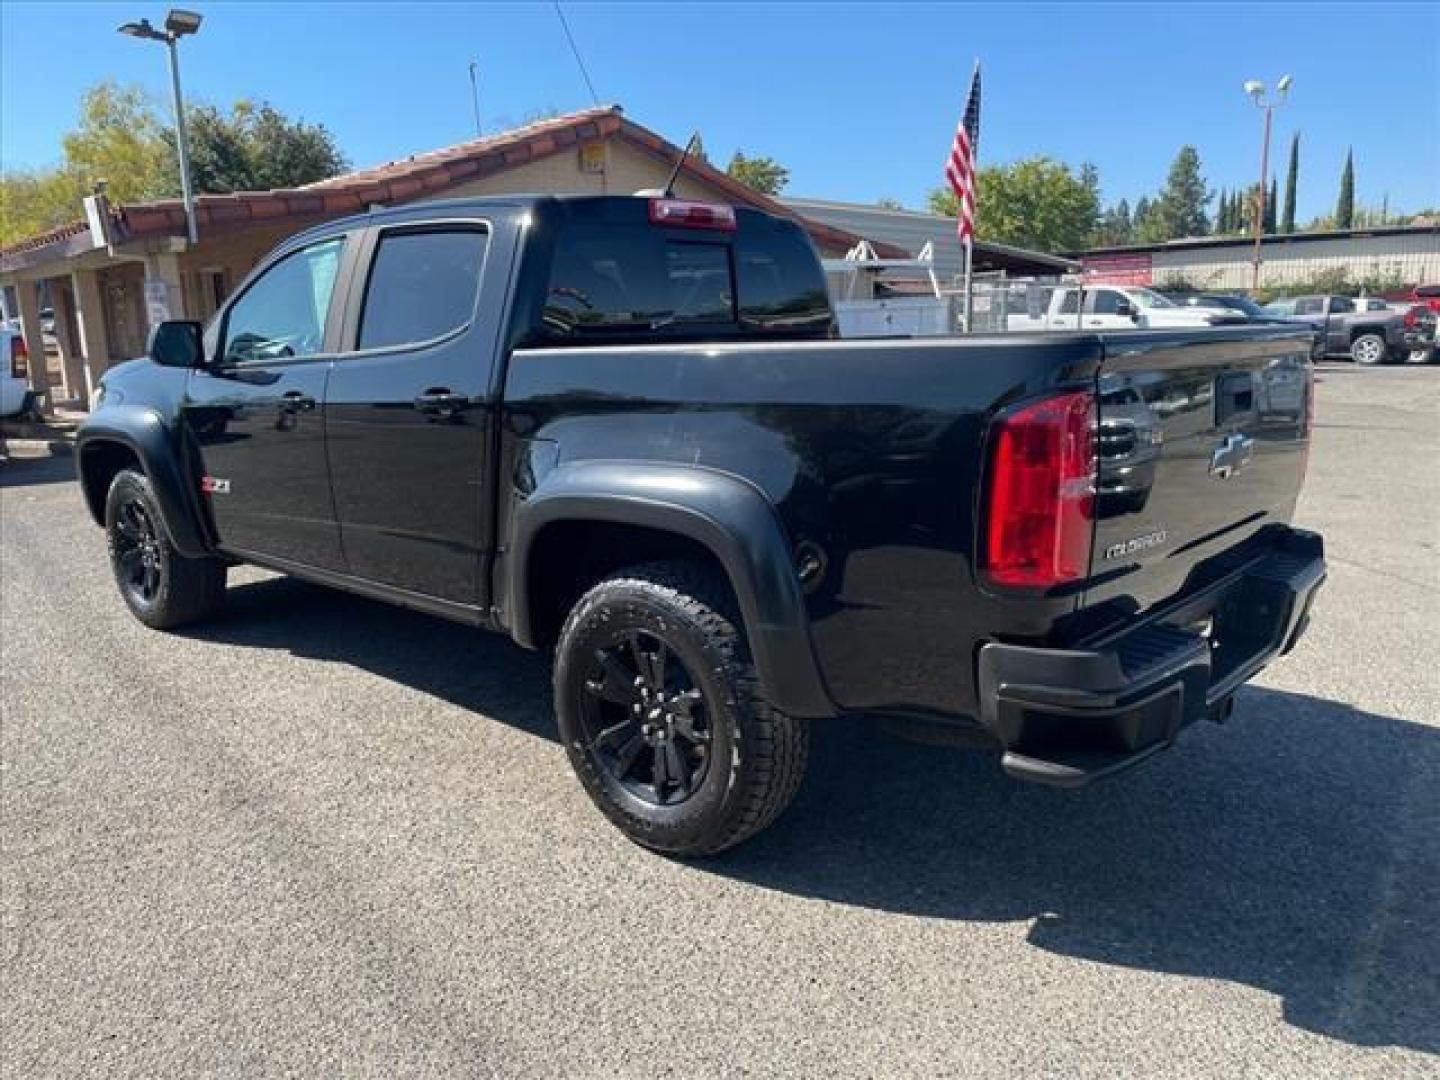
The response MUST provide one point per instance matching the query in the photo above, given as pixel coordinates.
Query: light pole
(178, 24)
(1262, 98)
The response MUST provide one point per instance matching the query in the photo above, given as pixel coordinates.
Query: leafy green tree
(1116, 227)
(1270, 202)
(256, 147)
(1222, 213)
(124, 138)
(1345, 204)
(120, 140)
(885, 202)
(1292, 176)
(35, 201)
(1183, 202)
(1036, 203)
(764, 174)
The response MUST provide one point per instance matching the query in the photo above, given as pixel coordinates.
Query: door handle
(439, 401)
(296, 401)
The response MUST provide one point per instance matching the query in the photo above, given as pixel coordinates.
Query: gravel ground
(321, 836)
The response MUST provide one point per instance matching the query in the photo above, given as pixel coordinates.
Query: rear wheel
(161, 587)
(1369, 349)
(663, 717)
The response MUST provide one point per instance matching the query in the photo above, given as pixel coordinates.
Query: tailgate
(1200, 443)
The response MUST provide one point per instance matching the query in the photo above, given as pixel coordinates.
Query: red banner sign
(1131, 268)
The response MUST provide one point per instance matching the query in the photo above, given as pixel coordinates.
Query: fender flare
(725, 514)
(143, 432)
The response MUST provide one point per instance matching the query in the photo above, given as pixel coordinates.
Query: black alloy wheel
(161, 587)
(663, 715)
(644, 718)
(139, 559)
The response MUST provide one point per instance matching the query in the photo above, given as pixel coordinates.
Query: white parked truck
(1114, 307)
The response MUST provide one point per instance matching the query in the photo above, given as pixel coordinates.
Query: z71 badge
(1143, 542)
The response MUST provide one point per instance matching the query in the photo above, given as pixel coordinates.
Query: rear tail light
(1040, 493)
(692, 215)
(1412, 317)
(19, 358)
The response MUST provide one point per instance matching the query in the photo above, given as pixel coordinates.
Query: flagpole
(969, 306)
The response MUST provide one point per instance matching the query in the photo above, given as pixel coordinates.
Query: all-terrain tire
(161, 587)
(756, 753)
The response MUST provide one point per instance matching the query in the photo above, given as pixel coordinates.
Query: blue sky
(858, 100)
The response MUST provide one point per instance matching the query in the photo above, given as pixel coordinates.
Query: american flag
(960, 165)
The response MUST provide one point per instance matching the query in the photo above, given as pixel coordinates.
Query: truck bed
(873, 453)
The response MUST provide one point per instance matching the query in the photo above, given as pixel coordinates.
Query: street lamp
(1269, 103)
(178, 24)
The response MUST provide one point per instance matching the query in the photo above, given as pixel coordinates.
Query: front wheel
(1369, 349)
(161, 587)
(662, 715)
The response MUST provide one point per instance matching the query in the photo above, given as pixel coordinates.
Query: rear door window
(422, 286)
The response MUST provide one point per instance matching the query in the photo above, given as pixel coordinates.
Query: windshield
(1148, 298)
(1237, 303)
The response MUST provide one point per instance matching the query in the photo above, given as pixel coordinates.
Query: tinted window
(282, 315)
(781, 284)
(1069, 306)
(1310, 305)
(422, 286)
(608, 278)
(1107, 302)
(1341, 305)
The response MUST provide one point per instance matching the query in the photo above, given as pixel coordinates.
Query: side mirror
(177, 344)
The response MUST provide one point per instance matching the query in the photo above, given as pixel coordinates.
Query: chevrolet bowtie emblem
(1232, 455)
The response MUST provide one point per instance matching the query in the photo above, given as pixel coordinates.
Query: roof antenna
(674, 175)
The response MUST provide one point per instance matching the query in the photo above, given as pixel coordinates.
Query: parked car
(621, 427)
(1347, 327)
(1235, 304)
(1115, 307)
(16, 397)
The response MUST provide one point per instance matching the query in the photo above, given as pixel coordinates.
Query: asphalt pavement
(321, 836)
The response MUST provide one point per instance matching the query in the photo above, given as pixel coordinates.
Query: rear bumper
(1070, 716)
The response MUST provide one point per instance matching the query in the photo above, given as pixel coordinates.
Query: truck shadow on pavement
(56, 467)
(1296, 850)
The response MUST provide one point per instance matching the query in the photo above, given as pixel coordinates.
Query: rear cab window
(614, 276)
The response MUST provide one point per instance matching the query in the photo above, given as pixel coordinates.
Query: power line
(575, 49)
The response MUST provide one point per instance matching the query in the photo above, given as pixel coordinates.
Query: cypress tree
(1270, 201)
(1292, 174)
(1345, 204)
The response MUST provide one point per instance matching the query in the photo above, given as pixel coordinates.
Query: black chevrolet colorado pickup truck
(623, 427)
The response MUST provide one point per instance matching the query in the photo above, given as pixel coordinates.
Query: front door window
(282, 314)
